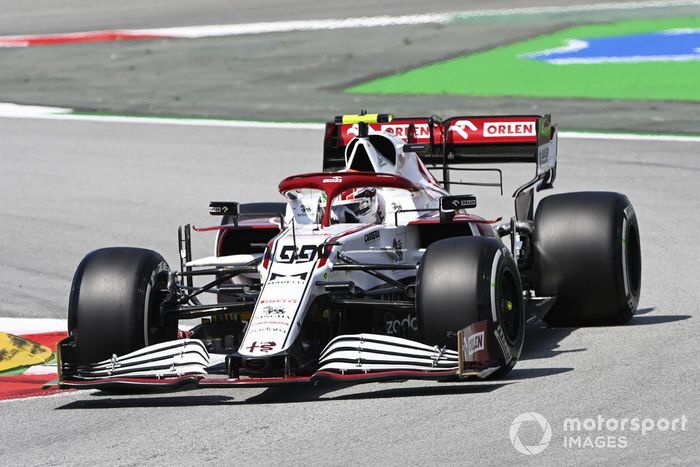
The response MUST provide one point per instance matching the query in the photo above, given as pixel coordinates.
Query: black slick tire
(115, 301)
(465, 280)
(586, 252)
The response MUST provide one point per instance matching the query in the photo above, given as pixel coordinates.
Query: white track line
(57, 113)
(203, 122)
(192, 32)
(19, 326)
(404, 20)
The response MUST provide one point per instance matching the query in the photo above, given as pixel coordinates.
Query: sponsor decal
(547, 157)
(372, 236)
(422, 130)
(268, 329)
(221, 208)
(461, 126)
(305, 210)
(546, 128)
(268, 301)
(261, 346)
(397, 251)
(475, 343)
(543, 156)
(273, 310)
(271, 322)
(304, 254)
(401, 326)
(290, 279)
(506, 129)
(218, 210)
(474, 347)
(334, 179)
(286, 281)
(314, 233)
(501, 338)
(457, 202)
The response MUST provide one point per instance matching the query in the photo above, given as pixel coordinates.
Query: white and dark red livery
(370, 270)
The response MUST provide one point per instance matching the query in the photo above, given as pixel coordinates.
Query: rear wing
(460, 140)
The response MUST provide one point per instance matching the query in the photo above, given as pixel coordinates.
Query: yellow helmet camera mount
(363, 119)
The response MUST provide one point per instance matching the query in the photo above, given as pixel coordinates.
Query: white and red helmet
(362, 206)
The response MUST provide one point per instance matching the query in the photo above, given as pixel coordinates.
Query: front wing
(348, 359)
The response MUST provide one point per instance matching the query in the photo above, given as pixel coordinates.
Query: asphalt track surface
(47, 16)
(293, 76)
(68, 187)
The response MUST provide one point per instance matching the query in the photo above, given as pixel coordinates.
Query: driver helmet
(360, 206)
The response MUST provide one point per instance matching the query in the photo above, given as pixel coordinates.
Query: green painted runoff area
(504, 71)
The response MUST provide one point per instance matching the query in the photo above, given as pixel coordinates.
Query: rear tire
(114, 304)
(587, 253)
(464, 280)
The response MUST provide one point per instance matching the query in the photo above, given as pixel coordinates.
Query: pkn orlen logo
(530, 418)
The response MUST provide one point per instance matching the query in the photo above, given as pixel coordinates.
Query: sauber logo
(506, 129)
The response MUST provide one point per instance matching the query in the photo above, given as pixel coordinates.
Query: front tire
(465, 280)
(114, 305)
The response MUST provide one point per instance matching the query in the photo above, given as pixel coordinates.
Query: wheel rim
(509, 307)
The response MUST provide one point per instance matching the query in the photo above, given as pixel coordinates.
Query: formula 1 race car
(370, 271)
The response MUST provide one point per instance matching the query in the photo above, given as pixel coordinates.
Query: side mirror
(224, 208)
(449, 203)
